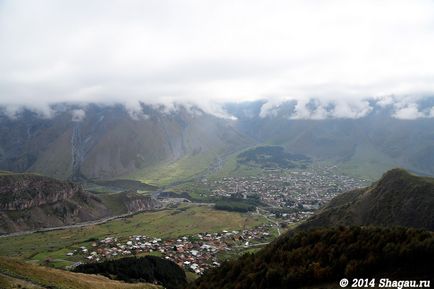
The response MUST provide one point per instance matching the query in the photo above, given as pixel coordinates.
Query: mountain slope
(29, 202)
(149, 269)
(107, 142)
(14, 273)
(397, 199)
(321, 257)
(365, 146)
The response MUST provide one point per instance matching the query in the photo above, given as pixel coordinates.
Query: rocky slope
(29, 202)
(397, 199)
(107, 142)
(26, 191)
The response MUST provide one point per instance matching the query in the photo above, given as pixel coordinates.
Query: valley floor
(55, 248)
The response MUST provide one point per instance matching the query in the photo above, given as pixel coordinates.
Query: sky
(343, 54)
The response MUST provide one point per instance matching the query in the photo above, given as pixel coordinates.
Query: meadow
(170, 223)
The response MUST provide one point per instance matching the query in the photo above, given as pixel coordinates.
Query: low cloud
(331, 58)
(78, 115)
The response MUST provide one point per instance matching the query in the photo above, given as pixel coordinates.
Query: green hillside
(397, 199)
(321, 257)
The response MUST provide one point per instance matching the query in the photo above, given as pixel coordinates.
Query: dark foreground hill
(321, 257)
(397, 199)
(149, 269)
(15, 273)
(30, 202)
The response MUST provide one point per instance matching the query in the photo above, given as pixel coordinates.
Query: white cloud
(409, 111)
(78, 115)
(205, 53)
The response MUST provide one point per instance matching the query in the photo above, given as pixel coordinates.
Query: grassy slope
(184, 168)
(58, 279)
(193, 165)
(397, 199)
(167, 223)
(7, 282)
(367, 162)
(312, 258)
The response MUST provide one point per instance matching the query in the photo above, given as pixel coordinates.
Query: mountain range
(107, 142)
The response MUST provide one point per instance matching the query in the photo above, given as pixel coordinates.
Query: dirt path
(270, 220)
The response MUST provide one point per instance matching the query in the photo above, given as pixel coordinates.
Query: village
(195, 253)
(302, 190)
(288, 197)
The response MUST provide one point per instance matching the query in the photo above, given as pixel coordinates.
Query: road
(252, 245)
(84, 224)
(90, 223)
(270, 220)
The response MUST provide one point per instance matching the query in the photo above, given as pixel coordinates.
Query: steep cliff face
(29, 202)
(134, 203)
(25, 191)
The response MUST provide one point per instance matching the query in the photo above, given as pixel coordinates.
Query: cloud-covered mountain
(205, 54)
(104, 142)
(366, 146)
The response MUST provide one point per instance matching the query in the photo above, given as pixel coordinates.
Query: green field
(367, 163)
(182, 169)
(192, 166)
(170, 223)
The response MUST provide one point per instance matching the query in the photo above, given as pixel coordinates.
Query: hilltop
(397, 199)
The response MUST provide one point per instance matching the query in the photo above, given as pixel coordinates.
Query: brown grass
(61, 279)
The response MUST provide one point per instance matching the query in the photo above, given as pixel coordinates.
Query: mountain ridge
(31, 202)
(397, 199)
(108, 143)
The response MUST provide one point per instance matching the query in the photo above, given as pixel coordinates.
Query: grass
(367, 163)
(19, 272)
(197, 190)
(182, 169)
(171, 223)
(191, 276)
(193, 165)
(231, 166)
(7, 282)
